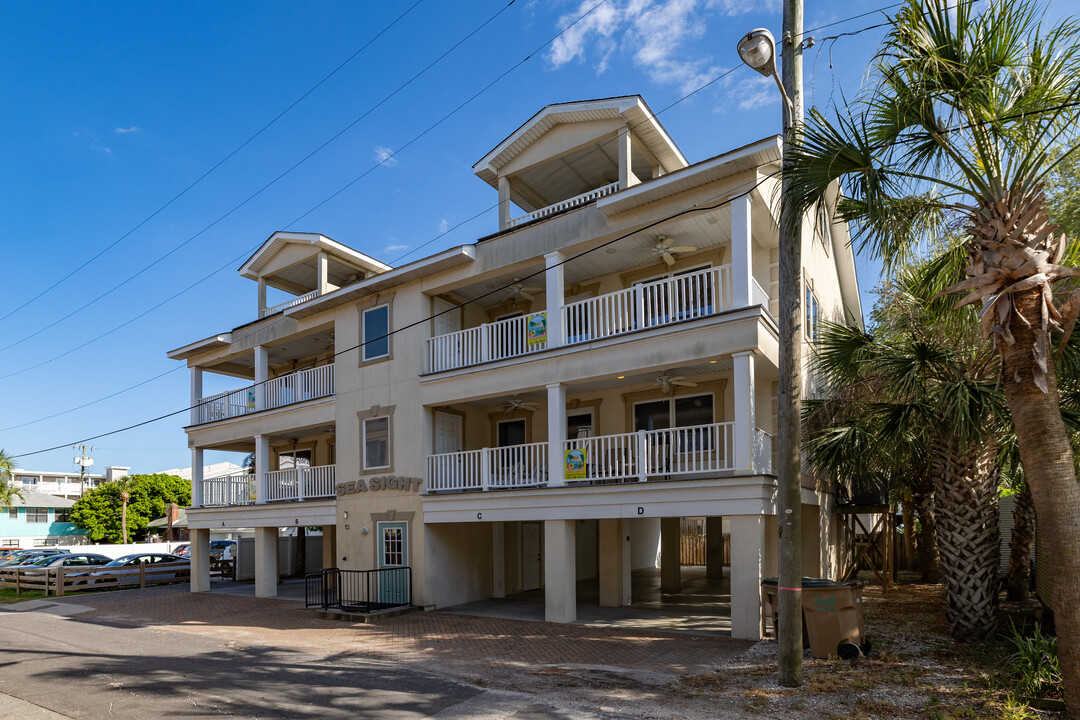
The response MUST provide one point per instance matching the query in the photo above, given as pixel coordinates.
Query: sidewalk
(456, 644)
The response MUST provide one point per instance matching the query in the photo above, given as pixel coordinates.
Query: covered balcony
(699, 421)
(687, 270)
(280, 391)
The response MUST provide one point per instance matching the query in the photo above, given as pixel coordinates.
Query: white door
(393, 563)
(450, 319)
(447, 433)
(530, 556)
(450, 354)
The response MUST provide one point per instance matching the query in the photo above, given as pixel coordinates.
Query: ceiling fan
(669, 381)
(516, 403)
(666, 250)
(517, 290)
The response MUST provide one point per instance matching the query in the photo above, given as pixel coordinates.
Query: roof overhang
(200, 346)
(631, 108)
(380, 283)
(253, 266)
(749, 157)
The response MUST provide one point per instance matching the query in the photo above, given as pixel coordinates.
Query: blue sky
(115, 108)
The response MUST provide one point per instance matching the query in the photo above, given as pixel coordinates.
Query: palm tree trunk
(967, 534)
(123, 520)
(908, 510)
(1023, 536)
(1048, 467)
(928, 537)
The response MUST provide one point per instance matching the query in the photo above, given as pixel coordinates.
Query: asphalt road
(54, 667)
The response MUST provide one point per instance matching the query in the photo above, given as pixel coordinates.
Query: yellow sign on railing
(575, 464)
(536, 329)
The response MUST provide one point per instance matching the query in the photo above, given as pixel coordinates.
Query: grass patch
(8, 596)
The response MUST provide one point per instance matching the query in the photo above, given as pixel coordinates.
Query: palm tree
(9, 490)
(124, 486)
(958, 127)
(917, 406)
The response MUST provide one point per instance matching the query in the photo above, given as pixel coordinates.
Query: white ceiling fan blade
(525, 295)
(532, 289)
(683, 383)
(663, 241)
(668, 258)
(682, 249)
(530, 406)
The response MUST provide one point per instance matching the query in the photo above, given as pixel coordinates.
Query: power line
(318, 205)
(268, 185)
(415, 323)
(216, 165)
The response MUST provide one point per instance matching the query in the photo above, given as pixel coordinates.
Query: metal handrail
(359, 591)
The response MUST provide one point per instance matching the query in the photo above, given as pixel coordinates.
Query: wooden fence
(692, 549)
(60, 580)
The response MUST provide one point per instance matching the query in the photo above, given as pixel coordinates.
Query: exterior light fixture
(758, 50)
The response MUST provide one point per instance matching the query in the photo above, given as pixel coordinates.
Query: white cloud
(395, 248)
(443, 226)
(742, 7)
(127, 130)
(92, 141)
(755, 92)
(384, 156)
(660, 30)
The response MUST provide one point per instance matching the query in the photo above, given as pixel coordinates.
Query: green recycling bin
(832, 617)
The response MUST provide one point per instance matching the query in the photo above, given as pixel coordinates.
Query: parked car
(222, 549)
(129, 565)
(183, 551)
(32, 561)
(20, 557)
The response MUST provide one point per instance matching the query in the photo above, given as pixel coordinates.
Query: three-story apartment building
(543, 405)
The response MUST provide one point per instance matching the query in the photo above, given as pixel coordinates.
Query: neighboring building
(559, 425)
(39, 520)
(66, 484)
(217, 470)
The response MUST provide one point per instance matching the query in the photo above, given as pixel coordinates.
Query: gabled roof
(37, 499)
(253, 266)
(630, 108)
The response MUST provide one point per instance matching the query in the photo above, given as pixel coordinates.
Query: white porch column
(743, 372)
(741, 254)
(556, 297)
(266, 561)
(627, 178)
(670, 555)
(262, 296)
(747, 564)
(504, 202)
(262, 373)
(196, 395)
(200, 559)
(614, 562)
(556, 421)
(196, 477)
(498, 560)
(323, 270)
(262, 466)
(560, 571)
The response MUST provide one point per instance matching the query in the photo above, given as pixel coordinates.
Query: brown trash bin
(832, 617)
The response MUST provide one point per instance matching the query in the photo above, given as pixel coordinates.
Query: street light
(758, 50)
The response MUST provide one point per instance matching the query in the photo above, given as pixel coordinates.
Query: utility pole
(83, 462)
(789, 475)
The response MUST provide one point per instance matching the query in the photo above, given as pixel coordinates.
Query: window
(824, 227)
(13, 513)
(511, 432)
(579, 425)
(37, 515)
(294, 459)
(28, 480)
(811, 314)
(685, 411)
(377, 443)
(12, 542)
(62, 515)
(376, 322)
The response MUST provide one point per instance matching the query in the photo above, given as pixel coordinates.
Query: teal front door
(393, 559)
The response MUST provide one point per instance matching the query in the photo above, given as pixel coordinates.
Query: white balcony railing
(300, 483)
(299, 386)
(648, 305)
(236, 489)
(513, 466)
(641, 456)
(487, 342)
(293, 302)
(583, 198)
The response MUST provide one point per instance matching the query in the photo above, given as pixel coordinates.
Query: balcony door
(666, 449)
